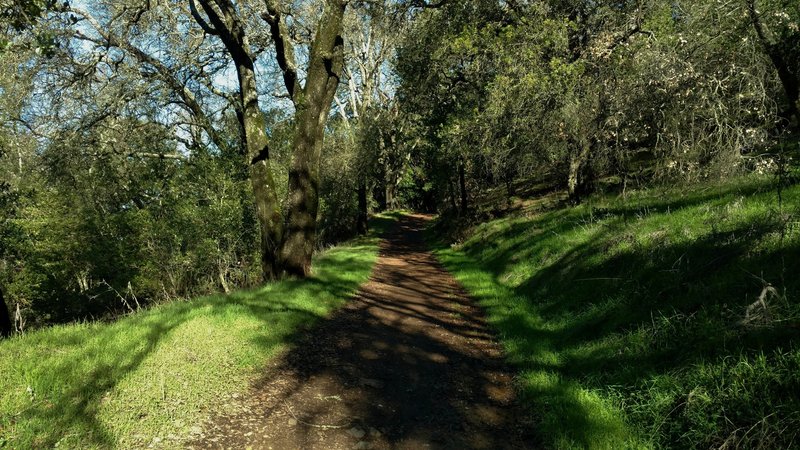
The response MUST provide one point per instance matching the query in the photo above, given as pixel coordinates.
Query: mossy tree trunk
(287, 243)
(224, 21)
(286, 246)
(577, 179)
(268, 210)
(390, 201)
(313, 104)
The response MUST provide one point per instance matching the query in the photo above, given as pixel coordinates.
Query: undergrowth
(666, 318)
(151, 378)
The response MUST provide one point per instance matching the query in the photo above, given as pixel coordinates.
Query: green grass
(152, 377)
(627, 317)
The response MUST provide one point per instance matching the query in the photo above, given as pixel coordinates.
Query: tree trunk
(390, 195)
(268, 210)
(453, 194)
(508, 180)
(789, 80)
(301, 226)
(390, 183)
(362, 224)
(576, 180)
(5, 318)
(230, 29)
(379, 194)
(572, 178)
(313, 106)
(462, 184)
(223, 282)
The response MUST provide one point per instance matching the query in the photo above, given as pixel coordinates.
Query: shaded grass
(152, 377)
(628, 317)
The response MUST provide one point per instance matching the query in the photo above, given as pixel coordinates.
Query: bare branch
(175, 156)
(427, 5)
(200, 21)
(284, 49)
(789, 80)
(163, 72)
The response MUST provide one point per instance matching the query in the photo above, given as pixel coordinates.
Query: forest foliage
(126, 173)
(599, 93)
(150, 379)
(666, 318)
(153, 150)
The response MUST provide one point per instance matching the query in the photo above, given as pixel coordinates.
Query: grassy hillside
(636, 321)
(151, 377)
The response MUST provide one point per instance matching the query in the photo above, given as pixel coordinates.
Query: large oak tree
(286, 249)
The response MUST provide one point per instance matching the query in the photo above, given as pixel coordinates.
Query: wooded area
(148, 144)
(155, 150)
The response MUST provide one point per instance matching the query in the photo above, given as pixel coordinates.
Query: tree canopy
(157, 149)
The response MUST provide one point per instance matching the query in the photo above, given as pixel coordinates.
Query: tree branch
(163, 72)
(426, 5)
(200, 21)
(789, 80)
(284, 49)
(174, 156)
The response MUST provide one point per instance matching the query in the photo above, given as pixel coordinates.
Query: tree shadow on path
(408, 363)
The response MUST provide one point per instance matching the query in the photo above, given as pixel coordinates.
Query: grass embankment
(152, 377)
(636, 322)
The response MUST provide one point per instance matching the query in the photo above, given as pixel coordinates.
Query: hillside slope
(151, 377)
(663, 319)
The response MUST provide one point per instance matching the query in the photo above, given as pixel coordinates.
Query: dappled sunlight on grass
(151, 377)
(627, 315)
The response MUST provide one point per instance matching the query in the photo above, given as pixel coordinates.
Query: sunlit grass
(152, 377)
(628, 316)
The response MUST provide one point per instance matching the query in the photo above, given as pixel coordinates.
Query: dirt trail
(407, 364)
